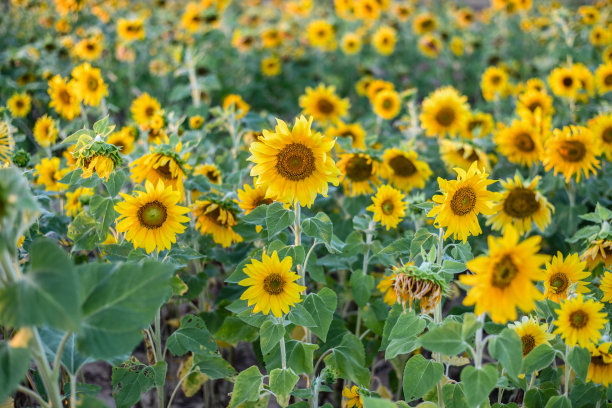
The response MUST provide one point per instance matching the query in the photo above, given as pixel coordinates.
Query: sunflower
(520, 205)
(210, 171)
(151, 219)
(531, 100)
(90, 86)
(587, 81)
(237, 103)
(387, 287)
(48, 174)
(520, 143)
(505, 279)
(404, 170)
(45, 131)
(102, 164)
(320, 34)
(388, 206)
(163, 163)
(600, 369)
(606, 287)
(6, 142)
(384, 40)
(64, 97)
(193, 18)
(323, 104)
(424, 23)
(430, 45)
(387, 104)
(589, 14)
(564, 277)
(352, 130)
(75, 199)
(270, 66)
(461, 201)
(606, 55)
(359, 173)
(271, 285)
(144, 108)
(131, 29)
(271, 38)
(353, 396)
(599, 36)
(494, 83)
(89, 49)
(250, 198)
(464, 17)
(478, 123)
(445, 111)
(601, 128)
(294, 165)
(535, 84)
(196, 122)
(598, 251)
(351, 43)
(217, 219)
(564, 82)
(457, 46)
(571, 151)
(124, 139)
(368, 10)
(603, 77)
(19, 104)
(532, 333)
(462, 154)
(377, 85)
(579, 321)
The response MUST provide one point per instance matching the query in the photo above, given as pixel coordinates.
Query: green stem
(364, 267)
(438, 312)
(159, 356)
(568, 370)
(34, 395)
(73, 391)
(297, 231)
(282, 347)
(183, 378)
(478, 344)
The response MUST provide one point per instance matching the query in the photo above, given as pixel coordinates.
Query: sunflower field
(305, 203)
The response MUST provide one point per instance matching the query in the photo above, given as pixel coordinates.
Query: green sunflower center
(524, 142)
(274, 284)
(402, 166)
(152, 215)
(387, 104)
(572, 150)
(528, 343)
(325, 106)
(578, 319)
(445, 116)
(504, 272)
(295, 162)
(463, 201)
(387, 207)
(359, 168)
(559, 283)
(521, 203)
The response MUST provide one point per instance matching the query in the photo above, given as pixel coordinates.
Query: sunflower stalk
(159, 356)
(193, 80)
(438, 311)
(364, 267)
(568, 371)
(283, 352)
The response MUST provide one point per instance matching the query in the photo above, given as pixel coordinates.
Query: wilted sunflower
(563, 275)
(520, 143)
(606, 287)
(404, 170)
(601, 129)
(48, 174)
(460, 154)
(210, 171)
(131, 29)
(387, 287)
(163, 163)
(412, 284)
(506, 278)
(445, 111)
(359, 173)
(323, 104)
(354, 399)
(90, 86)
(272, 286)
(520, 205)
(151, 219)
(387, 104)
(461, 201)
(532, 333)
(598, 251)
(250, 198)
(384, 40)
(74, 200)
(45, 131)
(294, 165)
(579, 321)
(564, 82)
(531, 100)
(99, 157)
(216, 218)
(603, 78)
(237, 103)
(478, 123)
(388, 206)
(19, 104)
(494, 83)
(352, 130)
(6, 142)
(600, 369)
(144, 108)
(64, 97)
(571, 151)
(124, 139)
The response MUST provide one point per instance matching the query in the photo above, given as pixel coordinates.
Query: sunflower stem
(193, 80)
(438, 311)
(159, 356)
(568, 370)
(282, 346)
(479, 344)
(297, 231)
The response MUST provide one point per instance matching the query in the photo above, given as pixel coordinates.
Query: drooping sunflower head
(601, 128)
(19, 104)
(294, 165)
(460, 154)
(520, 143)
(532, 333)
(6, 142)
(564, 82)
(163, 163)
(494, 83)
(271, 285)
(90, 86)
(98, 156)
(404, 170)
(217, 218)
(478, 123)
(359, 173)
(571, 151)
(600, 369)
(579, 321)
(354, 131)
(388, 206)
(64, 97)
(600, 251)
(565, 277)
(445, 111)
(412, 284)
(387, 104)
(251, 198)
(323, 104)
(144, 108)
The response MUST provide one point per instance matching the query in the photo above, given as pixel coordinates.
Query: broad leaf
(247, 386)
(420, 375)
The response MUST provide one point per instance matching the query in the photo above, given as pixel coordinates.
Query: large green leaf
(72, 360)
(214, 366)
(282, 383)
(348, 359)
(479, 382)
(559, 401)
(321, 307)
(538, 358)
(278, 218)
(103, 209)
(507, 348)
(247, 387)
(191, 336)
(14, 363)
(361, 287)
(403, 336)
(270, 335)
(453, 396)
(445, 339)
(580, 359)
(420, 375)
(319, 226)
(133, 378)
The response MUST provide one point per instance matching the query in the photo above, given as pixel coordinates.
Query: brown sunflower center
(534, 105)
(164, 171)
(559, 283)
(495, 79)
(578, 319)
(387, 207)
(568, 82)
(598, 361)
(274, 284)
(524, 142)
(295, 162)
(359, 168)
(213, 176)
(504, 272)
(471, 158)
(606, 135)
(521, 203)
(426, 24)
(92, 84)
(402, 166)
(325, 106)
(572, 150)
(263, 200)
(445, 116)
(65, 96)
(90, 46)
(473, 124)
(19, 103)
(387, 103)
(608, 80)
(528, 343)
(152, 215)
(149, 111)
(348, 133)
(463, 201)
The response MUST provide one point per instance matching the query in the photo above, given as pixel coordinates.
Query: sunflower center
(528, 343)
(64, 96)
(348, 133)
(578, 319)
(534, 105)
(19, 103)
(274, 284)
(295, 162)
(608, 80)
(473, 124)
(524, 142)
(402, 166)
(152, 215)
(496, 79)
(598, 361)
(567, 82)
(90, 46)
(359, 168)
(606, 135)
(504, 272)
(463, 201)
(559, 283)
(92, 84)
(149, 111)
(325, 106)
(445, 116)
(387, 207)
(572, 150)
(212, 176)
(387, 103)
(263, 200)
(164, 171)
(521, 203)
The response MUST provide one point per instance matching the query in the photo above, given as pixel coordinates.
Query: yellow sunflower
(75, 199)
(237, 103)
(494, 83)
(478, 123)
(19, 104)
(445, 111)
(45, 131)
(430, 45)
(367, 9)
(89, 48)
(579, 321)
(461, 201)
(270, 66)
(564, 82)
(600, 369)
(351, 43)
(599, 36)
(601, 128)
(294, 165)
(320, 34)
(384, 40)
(603, 78)
(48, 174)
(6, 142)
(565, 277)
(271, 38)
(598, 251)
(606, 287)
(162, 164)
(531, 100)
(151, 219)
(352, 130)
(377, 85)
(353, 396)
(196, 122)
(424, 23)
(359, 173)
(131, 29)
(606, 55)
(388, 206)
(123, 139)
(217, 219)
(387, 287)
(462, 154)
(532, 333)
(211, 171)
(520, 143)
(387, 104)
(102, 164)
(323, 104)
(193, 19)
(571, 151)
(520, 205)
(271, 285)
(506, 278)
(404, 170)
(90, 86)
(144, 108)
(64, 97)
(250, 198)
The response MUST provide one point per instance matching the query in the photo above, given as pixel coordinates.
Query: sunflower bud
(21, 158)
